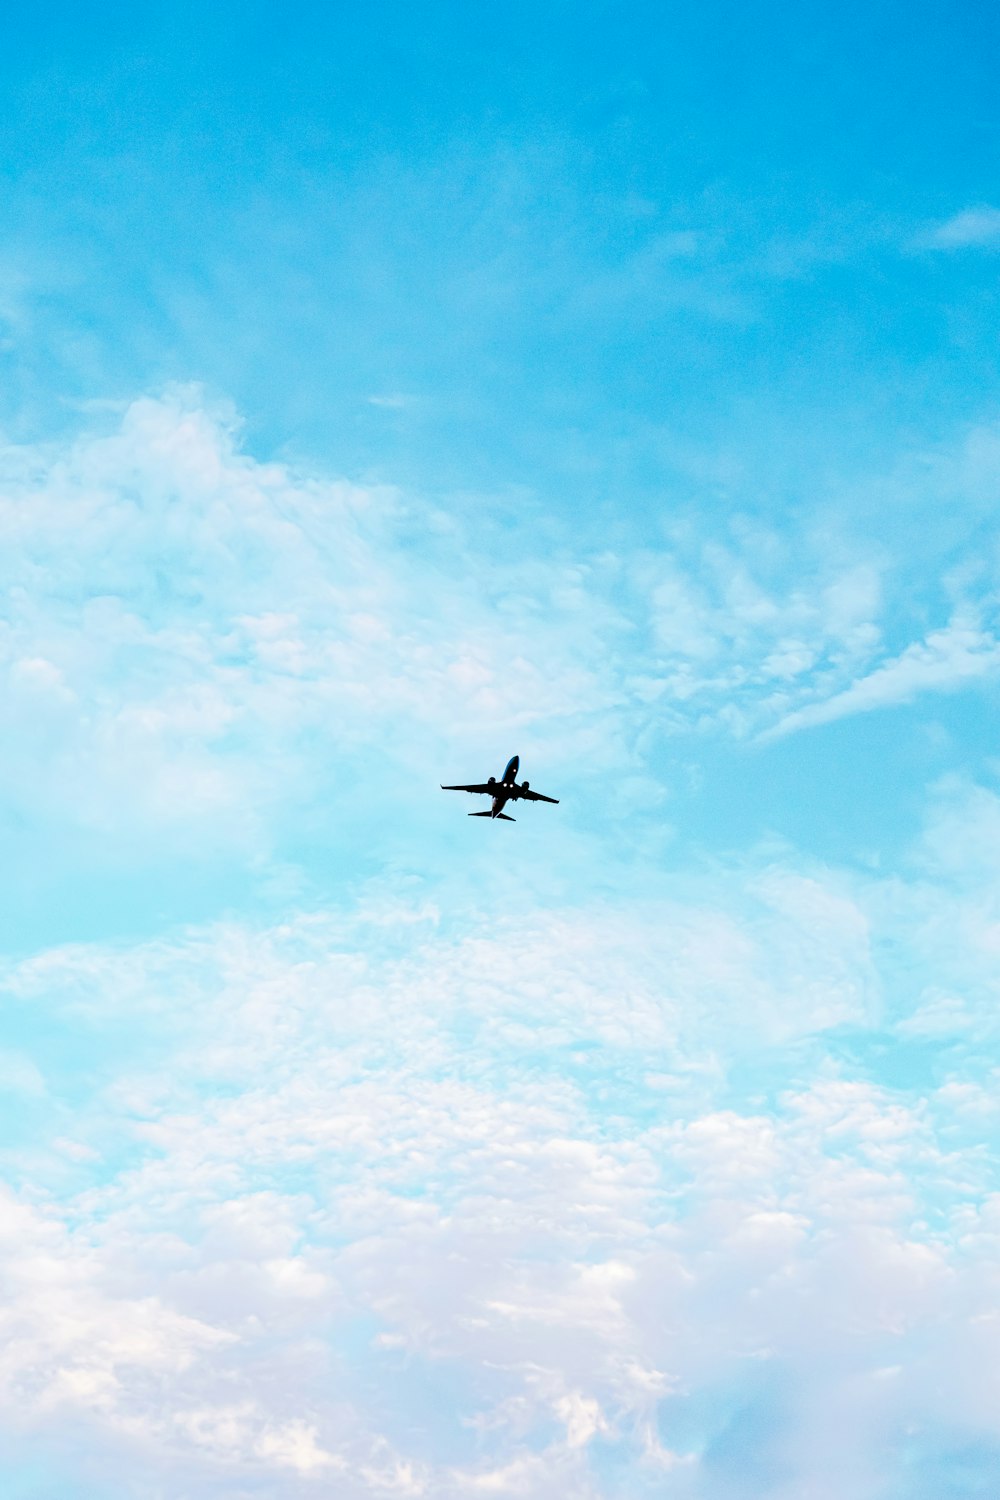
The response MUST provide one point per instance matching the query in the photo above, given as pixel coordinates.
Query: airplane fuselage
(506, 787)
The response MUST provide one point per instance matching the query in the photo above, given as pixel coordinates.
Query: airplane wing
(531, 796)
(482, 787)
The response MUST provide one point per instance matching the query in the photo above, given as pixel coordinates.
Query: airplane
(503, 791)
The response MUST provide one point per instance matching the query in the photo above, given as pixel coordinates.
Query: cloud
(393, 401)
(193, 635)
(502, 1184)
(195, 638)
(944, 661)
(485, 1211)
(972, 228)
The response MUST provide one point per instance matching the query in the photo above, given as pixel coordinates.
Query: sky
(386, 390)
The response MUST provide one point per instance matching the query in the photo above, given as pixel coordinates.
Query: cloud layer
(513, 1169)
(593, 1203)
(192, 633)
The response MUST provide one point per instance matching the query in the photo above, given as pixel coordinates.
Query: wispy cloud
(943, 662)
(393, 401)
(193, 636)
(972, 228)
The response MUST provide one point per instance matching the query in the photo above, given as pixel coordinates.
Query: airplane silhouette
(503, 791)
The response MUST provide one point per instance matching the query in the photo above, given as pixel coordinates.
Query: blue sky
(385, 391)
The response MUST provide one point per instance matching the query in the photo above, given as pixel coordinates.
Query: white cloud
(973, 227)
(393, 401)
(407, 1201)
(195, 638)
(20, 1075)
(414, 1225)
(193, 634)
(294, 1446)
(944, 661)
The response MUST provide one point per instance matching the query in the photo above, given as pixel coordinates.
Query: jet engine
(491, 781)
(525, 786)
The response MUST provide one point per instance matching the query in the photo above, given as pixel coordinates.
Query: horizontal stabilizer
(493, 815)
(486, 814)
